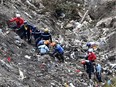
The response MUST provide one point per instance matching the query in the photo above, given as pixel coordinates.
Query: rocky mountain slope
(21, 66)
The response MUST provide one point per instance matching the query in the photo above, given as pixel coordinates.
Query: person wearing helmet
(19, 21)
(46, 35)
(91, 55)
(43, 49)
(58, 51)
(88, 66)
(26, 31)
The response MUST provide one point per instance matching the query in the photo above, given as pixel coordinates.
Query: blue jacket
(36, 33)
(41, 42)
(46, 36)
(58, 49)
(33, 28)
(43, 49)
(98, 68)
(29, 27)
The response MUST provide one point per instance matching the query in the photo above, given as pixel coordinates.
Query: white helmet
(18, 15)
(90, 50)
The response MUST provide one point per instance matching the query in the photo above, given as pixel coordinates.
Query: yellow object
(46, 30)
(66, 85)
(95, 47)
(25, 27)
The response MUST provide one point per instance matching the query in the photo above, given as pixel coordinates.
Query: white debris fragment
(17, 37)
(71, 85)
(72, 55)
(60, 39)
(27, 56)
(28, 2)
(1, 31)
(52, 84)
(21, 74)
(112, 65)
(80, 73)
(4, 63)
(6, 33)
(28, 15)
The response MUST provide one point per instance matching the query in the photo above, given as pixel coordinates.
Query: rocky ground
(21, 66)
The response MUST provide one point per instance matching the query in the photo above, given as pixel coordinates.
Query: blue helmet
(25, 22)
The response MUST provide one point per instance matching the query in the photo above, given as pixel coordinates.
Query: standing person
(58, 51)
(19, 21)
(98, 69)
(26, 31)
(91, 55)
(88, 66)
(46, 35)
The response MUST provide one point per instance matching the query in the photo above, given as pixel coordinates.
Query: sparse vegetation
(70, 8)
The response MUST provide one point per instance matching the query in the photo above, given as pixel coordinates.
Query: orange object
(53, 44)
(46, 42)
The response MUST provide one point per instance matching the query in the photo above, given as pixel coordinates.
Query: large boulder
(104, 22)
(107, 22)
(101, 8)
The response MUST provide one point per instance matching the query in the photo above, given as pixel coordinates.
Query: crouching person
(58, 51)
(19, 21)
(43, 49)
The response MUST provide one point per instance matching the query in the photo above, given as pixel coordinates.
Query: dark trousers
(26, 35)
(89, 73)
(59, 56)
(14, 27)
(98, 76)
(37, 40)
